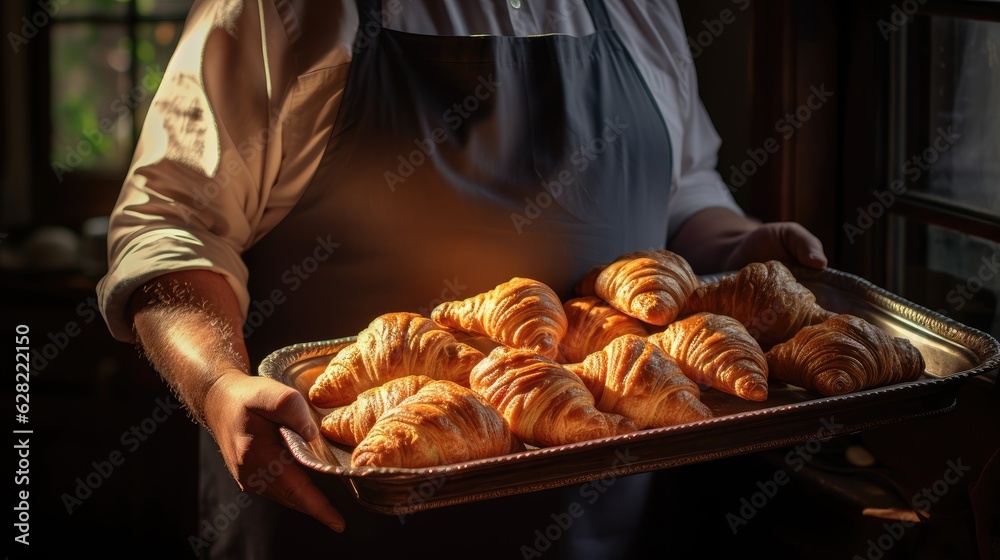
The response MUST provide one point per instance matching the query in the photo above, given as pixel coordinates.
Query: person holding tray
(307, 166)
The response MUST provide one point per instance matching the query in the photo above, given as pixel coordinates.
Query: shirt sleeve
(196, 189)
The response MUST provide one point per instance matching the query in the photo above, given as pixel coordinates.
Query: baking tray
(953, 352)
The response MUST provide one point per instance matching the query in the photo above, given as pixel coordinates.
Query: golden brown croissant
(717, 351)
(651, 286)
(544, 403)
(635, 378)
(393, 345)
(443, 423)
(593, 324)
(765, 297)
(842, 355)
(350, 424)
(522, 313)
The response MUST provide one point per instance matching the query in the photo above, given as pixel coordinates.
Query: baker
(307, 166)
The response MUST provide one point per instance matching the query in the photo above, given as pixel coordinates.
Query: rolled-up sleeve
(196, 190)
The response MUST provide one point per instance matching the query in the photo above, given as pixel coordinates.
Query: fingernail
(817, 257)
(337, 527)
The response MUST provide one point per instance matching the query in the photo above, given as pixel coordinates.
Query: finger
(294, 489)
(803, 245)
(286, 406)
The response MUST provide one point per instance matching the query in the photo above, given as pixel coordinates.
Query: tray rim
(984, 346)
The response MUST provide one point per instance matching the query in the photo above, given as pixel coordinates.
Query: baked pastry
(842, 355)
(718, 352)
(633, 377)
(765, 297)
(443, 423)
(393, 345)
(350, 424)
(522, 313)
(593, 324)
(544, 403)
(651, 286)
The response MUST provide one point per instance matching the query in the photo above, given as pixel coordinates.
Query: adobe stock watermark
(32, 25)
(452, 291)
(292, 279)
(899, 16)
(913, 169)
(590, 493)
(211, 529)
(93, 138)
(453, 117)
(231, 166)
(796, 460)
(963, 292)
(786, 127)
(421, 494)
(131, 439)
(922, 502)
(581, 159)
(712, 29)
(56, 342)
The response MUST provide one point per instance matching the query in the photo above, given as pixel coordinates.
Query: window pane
(163, 8)
(104, 8)
(91, 121)
(964, 81)
(955, 274)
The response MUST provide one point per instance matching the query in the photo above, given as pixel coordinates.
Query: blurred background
(856, 94)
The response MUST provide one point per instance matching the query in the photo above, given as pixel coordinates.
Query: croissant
(651, 286)
(718, 352)
(633, 377)
(521, 313)
(593, 324)
(443, 423)
(350, 424)
(544, 403)
(844, 354)
(393, 345)
(765, 297)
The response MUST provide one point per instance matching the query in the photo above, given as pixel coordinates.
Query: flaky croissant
(544, 403)
(393, 345)
(593, 324)
(717, 351)
(651, 286)
(522, 313)
(842, 355)
(443, 423)
(350, 424)
(765, 297)
(633, 377)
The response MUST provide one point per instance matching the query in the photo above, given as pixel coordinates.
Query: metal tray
(953, 352)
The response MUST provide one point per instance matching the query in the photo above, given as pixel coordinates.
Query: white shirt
(247, 103)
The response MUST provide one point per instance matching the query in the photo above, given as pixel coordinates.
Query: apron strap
(370, 14)
(599, 15)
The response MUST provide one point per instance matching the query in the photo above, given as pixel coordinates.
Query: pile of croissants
(633, 351)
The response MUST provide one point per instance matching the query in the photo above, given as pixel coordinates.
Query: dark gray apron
(455, 164)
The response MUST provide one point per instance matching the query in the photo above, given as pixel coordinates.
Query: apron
(455, 164)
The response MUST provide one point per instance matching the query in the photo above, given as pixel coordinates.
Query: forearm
(188, 324)
(708, 238)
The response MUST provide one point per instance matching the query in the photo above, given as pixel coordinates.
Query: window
(944, 136)
(105, 59)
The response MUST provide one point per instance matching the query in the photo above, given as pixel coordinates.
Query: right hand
(243, 413)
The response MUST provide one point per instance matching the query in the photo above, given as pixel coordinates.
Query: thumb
(803, 245)
(286, 406)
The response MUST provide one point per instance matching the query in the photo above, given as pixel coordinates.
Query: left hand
(783, 241)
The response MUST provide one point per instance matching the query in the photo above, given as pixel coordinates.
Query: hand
(244, 412)
(783, 241)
